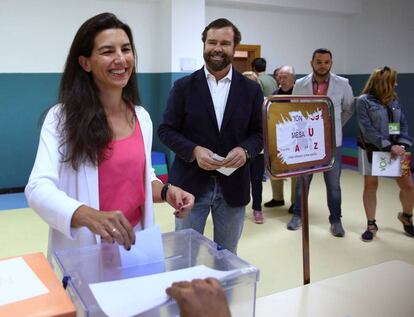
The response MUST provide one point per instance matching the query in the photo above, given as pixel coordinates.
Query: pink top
(122, 176)
(320, 88)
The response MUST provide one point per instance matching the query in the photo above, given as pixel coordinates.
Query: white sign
(18, 282)
(301, 138)
(384, 165)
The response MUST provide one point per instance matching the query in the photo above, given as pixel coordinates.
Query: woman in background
(92, 178)
(379, 114)
(256, 173)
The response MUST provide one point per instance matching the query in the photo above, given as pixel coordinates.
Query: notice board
(299, 135)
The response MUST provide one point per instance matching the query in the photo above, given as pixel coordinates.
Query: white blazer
(341, 95)
(55, 190)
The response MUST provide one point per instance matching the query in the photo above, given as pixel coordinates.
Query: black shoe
(407, 221)
(291, 208)
(274, 203)
(371, 231)
(337, 230)
(295, 223)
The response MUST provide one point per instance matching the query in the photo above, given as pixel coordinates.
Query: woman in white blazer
(83, 143)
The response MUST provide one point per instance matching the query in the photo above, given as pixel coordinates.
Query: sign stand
(299, 139)
(305, 230)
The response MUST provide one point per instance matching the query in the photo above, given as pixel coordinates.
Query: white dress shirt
(219, 91)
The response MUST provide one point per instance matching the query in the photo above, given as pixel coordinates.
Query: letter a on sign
(297, 148)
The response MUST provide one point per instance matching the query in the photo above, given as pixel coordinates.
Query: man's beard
(325, 73)
(217, 65)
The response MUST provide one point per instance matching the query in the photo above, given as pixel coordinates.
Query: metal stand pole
(305, 230)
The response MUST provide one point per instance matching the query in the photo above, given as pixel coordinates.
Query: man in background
(286, 75)
(267, 82)
(322, 82)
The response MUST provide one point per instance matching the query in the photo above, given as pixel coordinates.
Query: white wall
(36, 35)
(188, 24)
(362, 34)
(286, 36)
(382, 35)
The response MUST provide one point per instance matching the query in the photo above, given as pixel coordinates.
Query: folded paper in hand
(223, 170)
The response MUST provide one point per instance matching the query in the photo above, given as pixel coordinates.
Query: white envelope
(223, 170)
(384, 165)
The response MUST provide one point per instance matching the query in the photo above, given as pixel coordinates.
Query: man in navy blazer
(213, 123)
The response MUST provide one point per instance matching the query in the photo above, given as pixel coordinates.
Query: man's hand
(112, 226)
(235, 158)
(201, 298)
(180, 200)
(205, 160)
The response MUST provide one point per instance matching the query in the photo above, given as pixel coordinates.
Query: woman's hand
(112, 226)
(397, 150)
(180, 200)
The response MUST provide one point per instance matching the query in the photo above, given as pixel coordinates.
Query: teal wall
(24, 97)
(405, 93)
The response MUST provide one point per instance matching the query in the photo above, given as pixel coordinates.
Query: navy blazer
(190, 120)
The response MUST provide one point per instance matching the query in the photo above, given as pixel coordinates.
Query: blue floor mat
(13, 201)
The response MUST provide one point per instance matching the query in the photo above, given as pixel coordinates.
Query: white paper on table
(384, 165)
(18, 281)
(223, 170)
(130, 297)
(148, 248)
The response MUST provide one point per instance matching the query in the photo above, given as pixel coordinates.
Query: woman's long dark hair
(85, 132)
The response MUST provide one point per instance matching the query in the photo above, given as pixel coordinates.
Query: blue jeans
(228, 221)
(333, 190)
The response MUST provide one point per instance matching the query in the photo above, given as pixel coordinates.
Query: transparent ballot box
(299, 135)
(183, 249)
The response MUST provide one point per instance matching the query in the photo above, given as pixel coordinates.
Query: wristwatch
(247, 154)
(164, 191)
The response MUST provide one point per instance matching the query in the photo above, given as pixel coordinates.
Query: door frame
(253, 51)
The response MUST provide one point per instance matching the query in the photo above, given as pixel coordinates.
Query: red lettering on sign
(310, 131)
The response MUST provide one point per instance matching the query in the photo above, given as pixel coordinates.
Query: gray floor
(276, 251)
